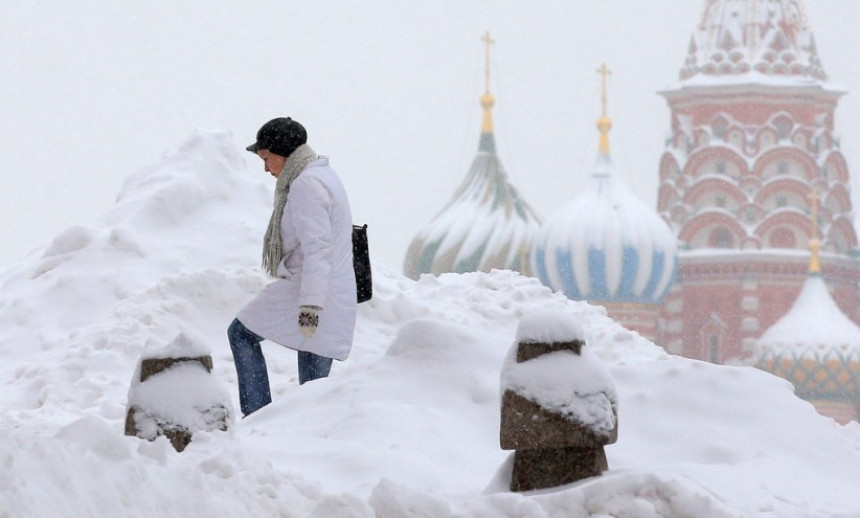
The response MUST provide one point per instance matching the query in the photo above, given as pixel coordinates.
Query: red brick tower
(752, 134)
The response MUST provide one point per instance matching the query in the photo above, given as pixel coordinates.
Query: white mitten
(309, 319)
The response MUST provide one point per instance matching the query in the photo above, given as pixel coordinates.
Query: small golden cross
(488, 40)
(604, 72)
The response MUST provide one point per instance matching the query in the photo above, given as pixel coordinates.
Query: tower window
(782, 238)
(783, 127)
(714, 349)
(721, 238)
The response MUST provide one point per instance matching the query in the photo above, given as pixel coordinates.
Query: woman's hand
(309, 319)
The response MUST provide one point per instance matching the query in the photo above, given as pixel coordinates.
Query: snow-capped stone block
(559, 404)
(526, 425)
(174, 394)
(549, 327)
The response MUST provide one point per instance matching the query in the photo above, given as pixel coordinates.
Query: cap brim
(253, 148)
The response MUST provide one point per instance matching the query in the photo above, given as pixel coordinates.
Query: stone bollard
(174, 394)
(559, 405)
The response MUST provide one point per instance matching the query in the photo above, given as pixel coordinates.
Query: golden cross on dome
(604, 123)
(604, 72)
(487, 100)
(488, 40)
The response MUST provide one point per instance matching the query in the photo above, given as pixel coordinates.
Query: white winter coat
(317, 268)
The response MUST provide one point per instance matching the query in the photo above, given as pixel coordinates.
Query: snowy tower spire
(756, 37)
(487, 224)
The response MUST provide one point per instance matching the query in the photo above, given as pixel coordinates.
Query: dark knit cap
(280, 136)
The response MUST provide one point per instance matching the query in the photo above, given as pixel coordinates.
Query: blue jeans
(254, 391)
(313, 366)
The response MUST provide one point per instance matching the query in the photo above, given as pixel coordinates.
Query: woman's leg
(254, 392)
(312, 366)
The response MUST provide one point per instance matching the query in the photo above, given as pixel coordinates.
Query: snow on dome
(813, 324)
(486, 225)
(607, 245)
(814, 346)
(754, 38)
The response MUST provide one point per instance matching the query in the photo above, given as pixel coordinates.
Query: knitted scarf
(272, 245)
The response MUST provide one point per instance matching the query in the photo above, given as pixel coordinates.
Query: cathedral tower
(752, 134)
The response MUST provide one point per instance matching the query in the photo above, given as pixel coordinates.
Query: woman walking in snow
(311, 304)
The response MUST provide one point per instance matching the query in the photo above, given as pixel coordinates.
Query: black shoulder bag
(361, 263)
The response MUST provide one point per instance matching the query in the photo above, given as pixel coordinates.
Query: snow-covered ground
(408, 426)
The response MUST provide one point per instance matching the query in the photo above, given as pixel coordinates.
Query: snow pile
(408, 426)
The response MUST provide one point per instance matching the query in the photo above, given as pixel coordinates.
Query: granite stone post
(553, 444)
(175, 395)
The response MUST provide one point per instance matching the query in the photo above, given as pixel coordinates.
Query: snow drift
(408, 426)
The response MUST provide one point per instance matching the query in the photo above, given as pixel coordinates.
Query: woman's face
(273, 163)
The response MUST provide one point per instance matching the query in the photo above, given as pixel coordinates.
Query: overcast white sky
(92, 91)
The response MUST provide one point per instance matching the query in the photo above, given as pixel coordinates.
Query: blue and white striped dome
(607, 245)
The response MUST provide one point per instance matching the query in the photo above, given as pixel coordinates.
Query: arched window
(721, 238)
(711, 334)
(782, 238)
(713, 352)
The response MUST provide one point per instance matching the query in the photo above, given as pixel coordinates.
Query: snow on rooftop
(770, 38)
(486, 224)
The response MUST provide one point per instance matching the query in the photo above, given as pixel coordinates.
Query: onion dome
(606, 245)
(814, 346)
(768, 38)
(486, 225)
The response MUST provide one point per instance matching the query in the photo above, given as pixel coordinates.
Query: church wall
(737, 297)
(706, 300)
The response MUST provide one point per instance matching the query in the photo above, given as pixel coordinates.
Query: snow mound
(408, 426)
